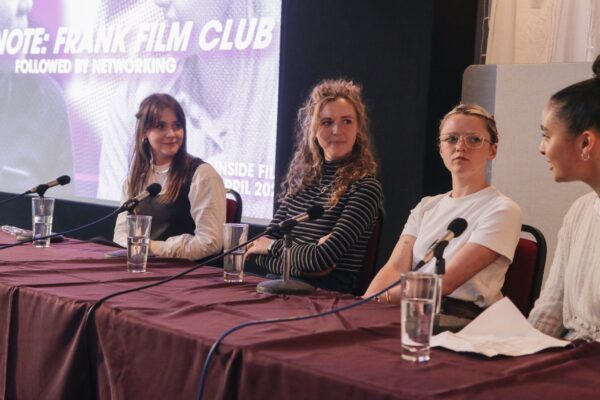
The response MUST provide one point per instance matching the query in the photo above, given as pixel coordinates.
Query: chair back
(234, 207)
(524, 276)
(367, 272)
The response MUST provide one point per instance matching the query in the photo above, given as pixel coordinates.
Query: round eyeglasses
(471, 141)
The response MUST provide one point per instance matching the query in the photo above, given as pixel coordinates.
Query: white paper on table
(500, 329)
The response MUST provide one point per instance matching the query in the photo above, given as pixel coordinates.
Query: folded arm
(316, 256)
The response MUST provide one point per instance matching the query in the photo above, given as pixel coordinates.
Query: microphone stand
(130, 207)
(440, 270)
(41, 191)
(285, 285)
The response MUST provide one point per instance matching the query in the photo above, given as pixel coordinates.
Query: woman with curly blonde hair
(334, 166)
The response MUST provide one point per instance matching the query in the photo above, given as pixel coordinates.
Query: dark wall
(452, 50)
(409, 57)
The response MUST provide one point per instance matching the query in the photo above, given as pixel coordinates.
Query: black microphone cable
(13, 198)
(90, 311)
(313, 212)
(150, 191)
(173, 277)
(456, 228)
(41, 189)
(33, 239)
(168, 279)
(217, 343)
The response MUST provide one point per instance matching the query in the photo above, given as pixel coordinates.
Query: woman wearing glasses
(478, 259)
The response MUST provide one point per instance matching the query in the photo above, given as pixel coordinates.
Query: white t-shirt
(494, 221)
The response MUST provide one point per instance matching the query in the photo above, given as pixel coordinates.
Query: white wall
(516, 94)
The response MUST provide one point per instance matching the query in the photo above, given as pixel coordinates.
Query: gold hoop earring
(584, 158)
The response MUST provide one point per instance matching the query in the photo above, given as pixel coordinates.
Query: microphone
(313, 212)
(150, 191)
(41, 189)
(455, 229)
(287, 285)
(129, 205)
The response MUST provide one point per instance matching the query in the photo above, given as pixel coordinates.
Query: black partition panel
(409, 57)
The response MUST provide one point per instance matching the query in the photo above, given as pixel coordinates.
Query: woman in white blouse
(189, 213)
(569, 305)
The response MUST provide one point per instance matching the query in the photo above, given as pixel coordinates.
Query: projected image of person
(569, 305)
(478, 259)
(333, 165)
(230, 98)
(189, 213)
(33, 118)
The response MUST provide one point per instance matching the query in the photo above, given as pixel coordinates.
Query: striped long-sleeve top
(350, 223)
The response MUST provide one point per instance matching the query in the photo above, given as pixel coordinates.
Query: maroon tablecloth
(152, 344)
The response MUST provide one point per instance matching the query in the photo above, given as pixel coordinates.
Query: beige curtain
(542, 31)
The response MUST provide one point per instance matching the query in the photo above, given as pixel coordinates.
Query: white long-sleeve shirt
(207, 207)
(570, 300)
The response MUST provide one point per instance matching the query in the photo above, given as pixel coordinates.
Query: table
(152, 344)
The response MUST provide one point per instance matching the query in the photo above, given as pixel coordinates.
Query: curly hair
(306, 166)
(476, 111)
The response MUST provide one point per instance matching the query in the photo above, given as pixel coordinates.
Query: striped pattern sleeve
(350, 224)
(280, 216)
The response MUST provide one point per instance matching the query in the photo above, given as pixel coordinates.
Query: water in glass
(42, 226)
(137, 253)
(233, 267)
(417, 325)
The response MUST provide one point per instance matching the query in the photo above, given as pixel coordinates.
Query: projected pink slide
(72, 74)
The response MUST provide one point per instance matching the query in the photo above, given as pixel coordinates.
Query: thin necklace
(325, 188)
(164, 171)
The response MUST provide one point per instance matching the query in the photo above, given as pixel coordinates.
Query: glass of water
(233, 264)
(42, 210)
(419, 293)
(138, 241)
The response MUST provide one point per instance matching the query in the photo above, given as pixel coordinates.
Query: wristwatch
(270, 246)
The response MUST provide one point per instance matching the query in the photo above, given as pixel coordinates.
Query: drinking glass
(233, 264)
(419, 293)
(138, 242)
(42, 210)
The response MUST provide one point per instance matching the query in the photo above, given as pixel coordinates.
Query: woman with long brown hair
(188, 214)
(333, 166)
